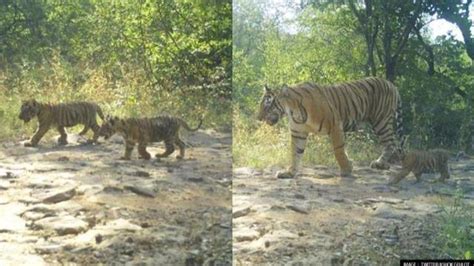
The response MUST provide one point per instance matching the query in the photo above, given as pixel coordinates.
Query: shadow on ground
(80, 204)
(321, 218)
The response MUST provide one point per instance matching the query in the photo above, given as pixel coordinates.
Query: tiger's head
(29, 109)
(110, 126)
(270, 110)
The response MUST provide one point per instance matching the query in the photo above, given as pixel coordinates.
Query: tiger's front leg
(63, 138)
(402, 174)
(129, 145)
(337, 139)
(298, 143)
(37, 136)
(142, 151)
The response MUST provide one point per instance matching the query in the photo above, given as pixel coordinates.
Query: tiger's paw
(62, 142)
(91, 141)
(123, 158)
(381, 165)
(29, 144)
(285, 175)
(145, 157)
(347, 174)
(179, 157)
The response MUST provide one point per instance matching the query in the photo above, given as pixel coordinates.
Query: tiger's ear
(285, 90)
(266, 89)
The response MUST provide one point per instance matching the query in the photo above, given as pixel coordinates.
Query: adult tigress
(60, 116)
(333, 110)
(147, 130)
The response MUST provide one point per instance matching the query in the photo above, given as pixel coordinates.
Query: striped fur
(143, 131)
(333, 110)
(60, 116)
(420, 162)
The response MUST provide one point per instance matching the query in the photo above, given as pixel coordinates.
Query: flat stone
(245, 171)
(59, 195)
(11, 223)
(297, 209)
(241, 212)
(383, 199)
(62, 225)
(195, 178)
(140, 173)
(49, 249)
(142, 191)
(249, 235)
(18, 254)
(121, 225)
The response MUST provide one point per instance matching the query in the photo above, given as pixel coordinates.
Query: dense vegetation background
(132, 57)
(287, 41)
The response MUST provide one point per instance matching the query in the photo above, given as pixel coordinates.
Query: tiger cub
(419, 162)
(60, 116)
(143, 131)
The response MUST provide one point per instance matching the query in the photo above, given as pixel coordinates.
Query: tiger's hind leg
(128, 150)
(142, 151)
(386, 135)
(169, 150)
(95, 128)
(63, 138)
(181, 146)
(418, 176)
(444, 171)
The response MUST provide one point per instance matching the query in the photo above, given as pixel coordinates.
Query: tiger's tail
(186, 126)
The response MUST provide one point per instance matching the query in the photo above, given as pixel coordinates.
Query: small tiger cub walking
(60, 116)
(418, 162)
(147, 130)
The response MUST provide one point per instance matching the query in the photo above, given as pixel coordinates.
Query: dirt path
(322, 219)
(79, 204)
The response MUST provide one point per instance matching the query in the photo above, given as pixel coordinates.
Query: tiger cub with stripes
(60, 116)
(419, 162)
(333, 110)
(143, 131)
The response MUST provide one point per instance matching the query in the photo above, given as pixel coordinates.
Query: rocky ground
(79, 204)
(320, 218)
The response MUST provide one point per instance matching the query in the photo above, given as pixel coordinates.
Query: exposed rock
(121, 225)
(59, 195)
(112, 190)
(48, 249)
(140, 173)
(17, 254)
(63, 159)
(241, 212)
(11, 222)
(141, 191)
(195, 178)
(297, 209)
(9, 175)
(62, 225)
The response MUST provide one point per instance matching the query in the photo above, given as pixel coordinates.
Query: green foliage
(456, 234)
(134, 58)
(325, 45)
